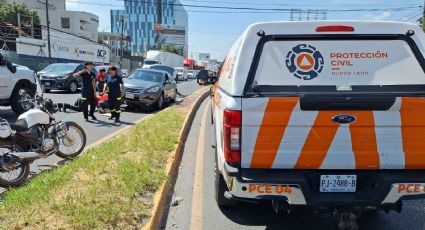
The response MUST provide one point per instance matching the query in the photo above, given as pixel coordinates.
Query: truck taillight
(335, 28)
(232, 123)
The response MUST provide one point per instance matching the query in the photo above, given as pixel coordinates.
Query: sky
(214, 31)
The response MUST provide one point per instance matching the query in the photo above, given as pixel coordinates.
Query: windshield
(179, 70)
(60, 68)
(151, 62)
(190, 71)
(146, 76)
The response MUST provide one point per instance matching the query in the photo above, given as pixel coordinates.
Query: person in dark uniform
(88, 91)
(115, 87)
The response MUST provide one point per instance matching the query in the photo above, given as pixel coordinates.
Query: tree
(9, 13)
(170, 48)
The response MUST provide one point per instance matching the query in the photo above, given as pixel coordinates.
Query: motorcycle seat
(19, 125)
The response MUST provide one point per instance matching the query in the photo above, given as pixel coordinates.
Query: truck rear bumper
(301, 187)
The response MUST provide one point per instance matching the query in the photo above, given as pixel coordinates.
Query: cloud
(71, 5)
(380, 17)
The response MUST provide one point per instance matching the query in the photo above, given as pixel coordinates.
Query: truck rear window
(344, 63)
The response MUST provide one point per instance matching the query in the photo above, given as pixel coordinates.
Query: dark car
(149, 88)
(170, 70)
(204, 76)
(60, 76)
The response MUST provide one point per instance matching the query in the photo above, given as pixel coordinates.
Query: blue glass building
(151, 24)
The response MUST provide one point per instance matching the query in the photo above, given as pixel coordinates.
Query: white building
(74, 22)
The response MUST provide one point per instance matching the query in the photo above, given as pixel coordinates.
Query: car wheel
(174, 98)
(160, 103)
(73, 86)
(19, 94)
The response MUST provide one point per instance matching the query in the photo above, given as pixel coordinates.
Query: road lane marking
(197, 208)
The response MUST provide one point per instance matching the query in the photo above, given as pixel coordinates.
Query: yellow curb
(161, 196)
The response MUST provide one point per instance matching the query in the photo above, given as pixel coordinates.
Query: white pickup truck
(328, 115)
(17, 83)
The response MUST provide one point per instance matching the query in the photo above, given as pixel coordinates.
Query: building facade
(152, 24)
(79, 23)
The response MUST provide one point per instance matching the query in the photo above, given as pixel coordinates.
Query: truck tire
(220, 189)
(22, 91)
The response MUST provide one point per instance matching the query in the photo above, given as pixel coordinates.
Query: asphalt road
(193, 206)
(94, 130)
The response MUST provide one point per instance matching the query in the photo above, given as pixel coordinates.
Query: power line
(293, 4)
(257, 9)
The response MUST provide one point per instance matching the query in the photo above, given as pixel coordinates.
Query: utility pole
(48, 28)
(122, 18)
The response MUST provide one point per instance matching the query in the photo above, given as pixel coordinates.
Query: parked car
(181, 74)
(149, 88)
(17, 83)
(170, 70)
(191, 74)
(60, 76)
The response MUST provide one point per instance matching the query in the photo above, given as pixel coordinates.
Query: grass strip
(109, 187)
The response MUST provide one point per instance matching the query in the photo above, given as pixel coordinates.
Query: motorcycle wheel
(18, 175)
(73, 144)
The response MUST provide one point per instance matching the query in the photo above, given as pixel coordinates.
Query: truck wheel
(220, 189)
(21, 92)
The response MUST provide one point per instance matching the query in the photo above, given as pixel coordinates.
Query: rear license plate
(338, 183)
(47, 83)
(129, 95)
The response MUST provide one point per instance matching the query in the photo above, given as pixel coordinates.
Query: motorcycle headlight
(153, 90)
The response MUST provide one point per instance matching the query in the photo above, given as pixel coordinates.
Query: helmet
(49, 105)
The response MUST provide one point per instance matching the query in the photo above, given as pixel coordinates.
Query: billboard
(64, 47)
(175, 35)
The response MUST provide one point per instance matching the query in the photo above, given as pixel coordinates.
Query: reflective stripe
(275, 121)
(413, 131)
(363, 139)
(119, 99)
(83, 98)
(318, 141)
(118, 111)
(113, 110)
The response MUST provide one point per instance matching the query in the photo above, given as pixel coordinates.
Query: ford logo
(344, 118)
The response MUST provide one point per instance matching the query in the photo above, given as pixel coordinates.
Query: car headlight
(152, 90)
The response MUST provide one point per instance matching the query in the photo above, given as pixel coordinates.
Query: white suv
(16, 84)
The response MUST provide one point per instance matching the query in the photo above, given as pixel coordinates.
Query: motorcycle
(36, 134)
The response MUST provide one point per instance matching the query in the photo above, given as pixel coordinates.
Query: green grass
(108, 187)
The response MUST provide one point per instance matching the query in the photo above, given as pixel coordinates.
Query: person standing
(88, 91)
(115, 87)
(101, 78)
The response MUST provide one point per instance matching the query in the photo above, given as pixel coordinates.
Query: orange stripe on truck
(363, 140)
(412, 114)
(275, 119)
(318, 141)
